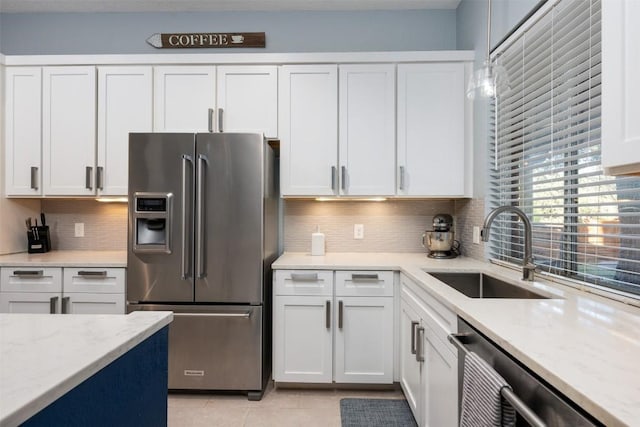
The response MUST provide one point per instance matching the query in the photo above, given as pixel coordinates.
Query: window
(546, 156)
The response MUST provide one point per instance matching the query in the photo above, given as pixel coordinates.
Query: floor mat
(376, 413)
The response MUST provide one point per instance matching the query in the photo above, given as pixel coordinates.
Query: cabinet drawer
(30, 279)
(364, 283)
(94, 280)
(303, 282)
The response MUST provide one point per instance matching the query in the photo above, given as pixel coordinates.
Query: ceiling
(29, 6)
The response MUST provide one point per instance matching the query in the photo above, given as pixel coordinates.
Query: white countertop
(586, 346)
(66, 259)
(43, 356)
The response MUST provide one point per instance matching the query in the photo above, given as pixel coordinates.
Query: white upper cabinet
(248, 99)
(184, 98)
(23, 131)
(69, 130)
(125, 104)
(308, 127)
(367, 130)
(434, 150)
(620, 87)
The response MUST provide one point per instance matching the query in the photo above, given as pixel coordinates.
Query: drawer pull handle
(304, 277)
(92, 274)
(364, 277)
(28, 273)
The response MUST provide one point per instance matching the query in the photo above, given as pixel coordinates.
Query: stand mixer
(440, 241)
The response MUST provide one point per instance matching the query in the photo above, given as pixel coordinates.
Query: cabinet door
(69, 130)
(302, 339)
(410, 367)
(441, 393)
(23, 131)
(86, 303)
(620, 86)
(367, 130)
(248, 99)
(364, 340)
(433, 158)
(184, 98)
(125, 104)
(308, 127)
(30, 302)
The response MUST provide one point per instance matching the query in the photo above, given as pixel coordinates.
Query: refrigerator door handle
(244, 315)
(186, 159)
(202, 162)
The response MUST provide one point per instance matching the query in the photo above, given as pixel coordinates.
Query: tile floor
(279, 407)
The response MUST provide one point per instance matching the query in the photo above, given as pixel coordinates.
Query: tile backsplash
(469, 213)
(389, 226)
(105, 224)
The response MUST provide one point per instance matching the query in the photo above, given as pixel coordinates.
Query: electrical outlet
(358, 231)
(79, 229)
(476, 235)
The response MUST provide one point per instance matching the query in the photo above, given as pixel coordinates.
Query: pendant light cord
(488, 30)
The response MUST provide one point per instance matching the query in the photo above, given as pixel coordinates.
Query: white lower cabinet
(363, 340)
(302, 339)
(428, 363)
(62, 290)
(322, 335)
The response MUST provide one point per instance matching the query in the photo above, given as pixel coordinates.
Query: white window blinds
(545, 155)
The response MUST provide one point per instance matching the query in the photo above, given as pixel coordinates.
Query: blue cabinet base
(131, 391)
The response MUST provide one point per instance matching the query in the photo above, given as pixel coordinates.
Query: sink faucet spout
(528, 267)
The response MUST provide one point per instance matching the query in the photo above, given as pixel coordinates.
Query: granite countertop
(66, 259)
(44, 356)
(585, 345)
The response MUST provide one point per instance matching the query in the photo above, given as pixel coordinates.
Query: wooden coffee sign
(206, 40)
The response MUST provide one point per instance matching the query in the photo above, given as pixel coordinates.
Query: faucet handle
(528, 270)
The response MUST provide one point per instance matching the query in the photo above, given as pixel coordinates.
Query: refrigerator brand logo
(206, 40)
(193, 373)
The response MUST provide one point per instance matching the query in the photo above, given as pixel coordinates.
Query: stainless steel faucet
(528, 267)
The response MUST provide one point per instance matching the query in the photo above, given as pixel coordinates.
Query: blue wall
(125, 33)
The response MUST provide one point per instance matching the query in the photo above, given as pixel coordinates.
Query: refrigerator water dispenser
(152, 217)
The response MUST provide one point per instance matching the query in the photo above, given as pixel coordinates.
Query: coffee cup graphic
(238, 38)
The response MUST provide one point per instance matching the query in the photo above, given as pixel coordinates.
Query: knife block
(38, 240)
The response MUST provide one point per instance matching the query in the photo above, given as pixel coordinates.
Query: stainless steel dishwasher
(532, 397)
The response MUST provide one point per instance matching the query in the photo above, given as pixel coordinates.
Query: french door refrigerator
(202, 234)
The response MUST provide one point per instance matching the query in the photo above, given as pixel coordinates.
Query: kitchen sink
(480, 285)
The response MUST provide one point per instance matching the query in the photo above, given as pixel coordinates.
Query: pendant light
(490, 79)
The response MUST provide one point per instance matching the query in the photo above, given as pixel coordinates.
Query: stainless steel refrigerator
(202, 234)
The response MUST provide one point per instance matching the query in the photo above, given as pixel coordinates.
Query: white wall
(13, 237)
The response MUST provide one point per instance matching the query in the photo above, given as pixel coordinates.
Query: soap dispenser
(317, 243)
